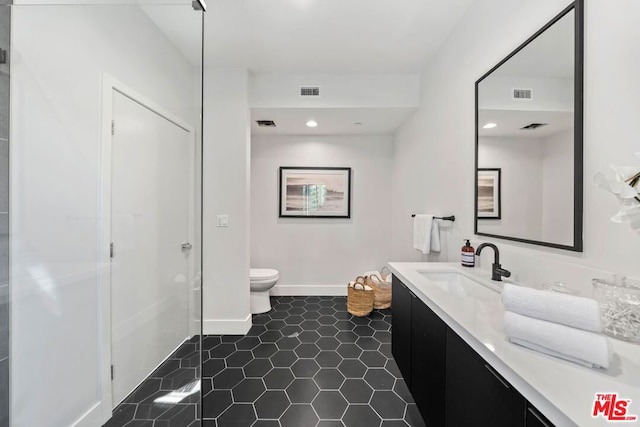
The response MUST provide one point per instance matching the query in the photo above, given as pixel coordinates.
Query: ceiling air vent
(521, 94)
(266, 123)
(309, 90)
(534, 126)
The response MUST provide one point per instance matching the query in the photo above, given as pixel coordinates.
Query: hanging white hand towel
(435, 236)
(575, 345)
(422, 225)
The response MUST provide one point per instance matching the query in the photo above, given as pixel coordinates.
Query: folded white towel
(422, 224)
(435, 236)
(360, 285)
(569, 310)
(373, 273)
(575, 345)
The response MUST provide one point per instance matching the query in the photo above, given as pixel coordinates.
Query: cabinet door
(428, 363)
(535, 418)
(401, 328)
(476, 395)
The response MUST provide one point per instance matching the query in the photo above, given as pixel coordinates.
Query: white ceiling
(331, 121)
(550, 55)
(511, 122)
(316, 36)
(320, 37)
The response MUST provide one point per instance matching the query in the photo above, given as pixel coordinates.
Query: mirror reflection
(526, 140)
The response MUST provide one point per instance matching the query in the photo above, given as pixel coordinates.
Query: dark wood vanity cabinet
(451, 384)
(418, 345)
(428, 363)
(401, 328)
(535, 419)
(475, 393)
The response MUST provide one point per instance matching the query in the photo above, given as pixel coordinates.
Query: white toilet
(261, 280)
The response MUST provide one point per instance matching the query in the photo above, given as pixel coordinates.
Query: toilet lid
(262, 273)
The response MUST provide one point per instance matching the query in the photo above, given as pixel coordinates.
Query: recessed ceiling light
(489, 126)
(312, 123)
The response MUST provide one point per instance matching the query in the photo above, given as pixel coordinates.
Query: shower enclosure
(100, 217)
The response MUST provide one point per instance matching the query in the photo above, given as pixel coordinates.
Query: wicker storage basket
(359, 298)
(381, 288)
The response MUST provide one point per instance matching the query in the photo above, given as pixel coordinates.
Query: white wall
(433, 166)
(226, 191)
(537, 186)
(336, 90)
(59, 55)
(319, 256)
(495, 93)
(520, 161)
(557, 188)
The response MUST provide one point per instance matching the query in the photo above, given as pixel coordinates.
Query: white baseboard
(93, 417)
(226, 326)
(309, 290)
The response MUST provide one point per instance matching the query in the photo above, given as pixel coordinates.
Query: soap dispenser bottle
(468, 255)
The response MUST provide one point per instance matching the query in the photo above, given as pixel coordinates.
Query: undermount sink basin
(457, 284)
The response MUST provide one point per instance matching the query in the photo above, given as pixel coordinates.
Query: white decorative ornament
(622, 182)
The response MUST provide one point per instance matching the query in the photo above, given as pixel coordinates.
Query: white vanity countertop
(563, 391)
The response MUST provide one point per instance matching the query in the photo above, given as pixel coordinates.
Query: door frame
(110, 85)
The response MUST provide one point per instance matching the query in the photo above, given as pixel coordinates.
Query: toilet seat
(259, 275)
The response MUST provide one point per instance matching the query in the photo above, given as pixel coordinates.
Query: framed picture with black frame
(489, 193)
(315, 192)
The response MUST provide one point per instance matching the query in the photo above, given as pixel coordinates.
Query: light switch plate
(223, 220)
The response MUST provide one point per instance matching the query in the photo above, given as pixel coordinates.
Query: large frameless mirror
(529, 139)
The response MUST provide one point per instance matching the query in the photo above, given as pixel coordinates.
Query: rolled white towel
(570, 310)
(576, 345)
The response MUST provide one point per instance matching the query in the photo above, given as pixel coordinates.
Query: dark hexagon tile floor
(306, 363)
(178, 373)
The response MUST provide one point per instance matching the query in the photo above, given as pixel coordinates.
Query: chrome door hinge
(113, 127)
(111, 250)
(112, 375)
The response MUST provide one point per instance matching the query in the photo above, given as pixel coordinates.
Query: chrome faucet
(497, 272)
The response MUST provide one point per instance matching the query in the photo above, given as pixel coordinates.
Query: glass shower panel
(5, 34)
(105, 230)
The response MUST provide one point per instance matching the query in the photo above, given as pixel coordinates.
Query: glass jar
(619, 302)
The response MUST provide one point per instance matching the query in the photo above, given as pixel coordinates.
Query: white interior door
(151, 169)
